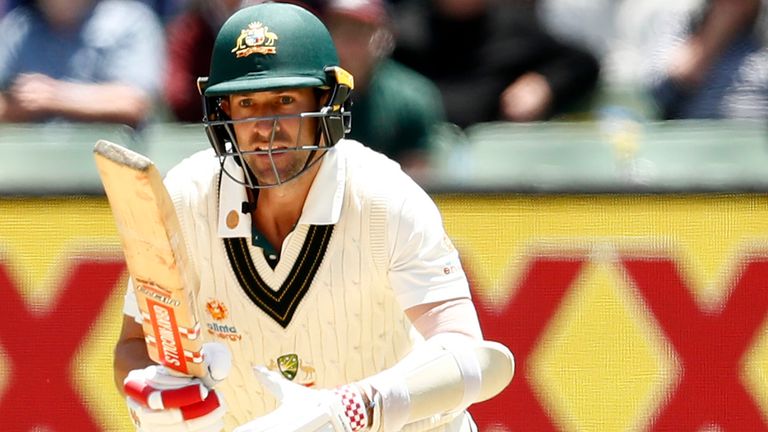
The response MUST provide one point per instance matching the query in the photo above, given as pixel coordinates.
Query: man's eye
(245, 102)
(286, 100)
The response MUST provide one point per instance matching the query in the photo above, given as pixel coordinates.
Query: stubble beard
(287, 166)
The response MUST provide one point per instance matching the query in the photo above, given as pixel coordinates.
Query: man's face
(281, 133)
(64, 13)
(355, 42)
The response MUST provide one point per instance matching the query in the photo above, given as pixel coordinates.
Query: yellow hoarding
(625, 312)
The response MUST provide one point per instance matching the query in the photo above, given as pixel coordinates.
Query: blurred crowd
(417, 63)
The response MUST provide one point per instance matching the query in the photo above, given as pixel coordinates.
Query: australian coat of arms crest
(256, 39)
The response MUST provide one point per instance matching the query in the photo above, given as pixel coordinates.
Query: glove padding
(160, 400)
(305, 410)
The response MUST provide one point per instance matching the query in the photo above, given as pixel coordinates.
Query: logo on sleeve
(448, 244)
(450, 268)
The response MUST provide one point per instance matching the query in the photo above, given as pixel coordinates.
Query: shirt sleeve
(14, 27)
(425, 266)
(131, 41)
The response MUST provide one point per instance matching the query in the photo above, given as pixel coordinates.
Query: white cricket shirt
(369, 244)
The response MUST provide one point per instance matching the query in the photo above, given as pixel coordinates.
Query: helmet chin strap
(318, 136)
(250, 205)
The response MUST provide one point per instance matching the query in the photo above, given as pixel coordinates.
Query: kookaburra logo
(256, 39)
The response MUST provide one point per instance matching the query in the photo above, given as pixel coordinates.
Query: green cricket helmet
(273, 46)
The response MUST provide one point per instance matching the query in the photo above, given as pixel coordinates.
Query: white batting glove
(160, 400)
(305, 410)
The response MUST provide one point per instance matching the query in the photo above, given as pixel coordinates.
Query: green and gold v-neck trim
(280, 304)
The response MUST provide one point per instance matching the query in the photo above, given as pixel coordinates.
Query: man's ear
(323, 97)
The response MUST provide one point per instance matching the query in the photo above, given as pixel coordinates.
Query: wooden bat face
(156, 256)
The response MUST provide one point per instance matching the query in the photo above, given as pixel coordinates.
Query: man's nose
(265, 128)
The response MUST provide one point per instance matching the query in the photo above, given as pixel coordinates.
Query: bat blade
(156, 255)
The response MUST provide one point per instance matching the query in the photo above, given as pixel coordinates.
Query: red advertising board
(624, 312)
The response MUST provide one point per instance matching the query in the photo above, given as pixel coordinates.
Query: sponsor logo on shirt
(219, 312)
(450, 268)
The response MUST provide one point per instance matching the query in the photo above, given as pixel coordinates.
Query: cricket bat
(156, 256)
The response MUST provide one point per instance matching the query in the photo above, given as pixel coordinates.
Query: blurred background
(602, 166)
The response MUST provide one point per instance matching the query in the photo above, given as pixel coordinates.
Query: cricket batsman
(331, 298)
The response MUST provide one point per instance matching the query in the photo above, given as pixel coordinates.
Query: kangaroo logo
(256, 39)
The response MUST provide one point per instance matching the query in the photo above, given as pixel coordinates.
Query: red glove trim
(138, 391)
(141, 392)
(200, 409)
(184, 396)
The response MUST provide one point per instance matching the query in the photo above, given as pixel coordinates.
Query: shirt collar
(323, 203)
(232, 221)
(322, 206)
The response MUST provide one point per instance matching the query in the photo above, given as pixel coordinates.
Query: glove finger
(184, 396)
(163, 378)
(178, 427)
(200, 409)
(151, 419)
(216, 426)
(273, 381)
(218, 358)
(278, 424)
(214, 421)
(281, 387)
(206, 416)
(140, 391)
(267, 423)
(286, 418)
(153, 398)
(274, 421)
